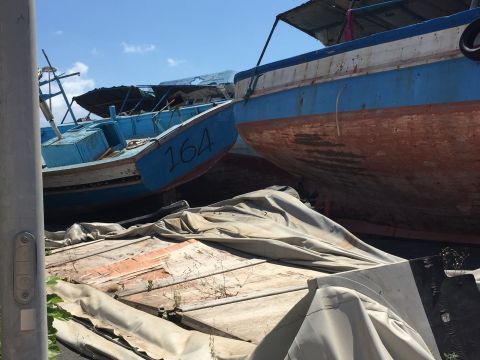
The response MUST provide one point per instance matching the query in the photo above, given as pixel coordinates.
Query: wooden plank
(223, 290)
(79, 261)
(189, 276)
(76, 251)
(161, 267)
(69, 177)
(70, 247)
(143, 267)
(237, 299)
(249, 320)
(76, 255)
(209, 329)
(245, 281)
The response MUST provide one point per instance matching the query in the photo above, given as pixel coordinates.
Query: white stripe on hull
(412, 51)
(88, 176)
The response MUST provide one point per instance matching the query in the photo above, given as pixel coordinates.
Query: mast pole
(59, 83)
(254, 78)
(22, 283)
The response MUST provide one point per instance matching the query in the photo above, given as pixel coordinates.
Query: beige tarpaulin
(340, 323)
(269, 223)
(158, 338)
(371, 314)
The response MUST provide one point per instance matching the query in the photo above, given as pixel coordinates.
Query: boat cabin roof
(325, 19)
(145, 98)
(123, 98)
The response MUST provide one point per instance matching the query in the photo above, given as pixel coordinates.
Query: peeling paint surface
(393, 164)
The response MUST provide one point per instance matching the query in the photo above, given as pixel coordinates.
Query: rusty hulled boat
(384, 122)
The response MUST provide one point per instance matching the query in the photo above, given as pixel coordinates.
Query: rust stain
(313, 140)
(135, 264)
(333, 154)
(414, 166)
(335, 168)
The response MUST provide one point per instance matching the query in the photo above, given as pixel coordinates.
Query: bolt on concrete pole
(22, 285)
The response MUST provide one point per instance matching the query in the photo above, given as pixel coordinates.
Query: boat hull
(183, 153)
(384, 134)
(233, 175)
(413, 166)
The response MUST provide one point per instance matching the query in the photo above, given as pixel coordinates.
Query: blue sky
(148, 41)
(120, 42)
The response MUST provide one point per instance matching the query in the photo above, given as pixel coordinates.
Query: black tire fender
(467, 41)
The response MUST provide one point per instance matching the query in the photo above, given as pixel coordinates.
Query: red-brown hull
(412, 167)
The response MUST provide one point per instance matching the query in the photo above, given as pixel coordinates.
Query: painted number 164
(188, 152)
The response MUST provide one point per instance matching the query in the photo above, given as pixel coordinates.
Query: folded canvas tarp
(268, 223)
(117, 331)
(405, 311)
(124, 98)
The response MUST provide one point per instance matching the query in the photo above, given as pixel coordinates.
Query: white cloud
(138, 49)
(58, 32)
(73, 86)
(174, 62)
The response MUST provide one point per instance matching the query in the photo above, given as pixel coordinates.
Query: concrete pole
(22, 284)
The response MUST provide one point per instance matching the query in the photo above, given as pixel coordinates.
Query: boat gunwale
(152, 144)
(418, 29)
(135, 179)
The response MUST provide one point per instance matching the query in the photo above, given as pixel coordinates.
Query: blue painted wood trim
(426, 27)
(442, 82)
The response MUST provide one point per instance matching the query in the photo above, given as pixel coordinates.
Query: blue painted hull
(442, 82)
(176, 156)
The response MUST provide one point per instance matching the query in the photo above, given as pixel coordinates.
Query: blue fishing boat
(114, 160)
(383, 122)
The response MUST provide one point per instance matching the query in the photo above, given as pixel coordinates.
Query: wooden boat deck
(205, 286)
